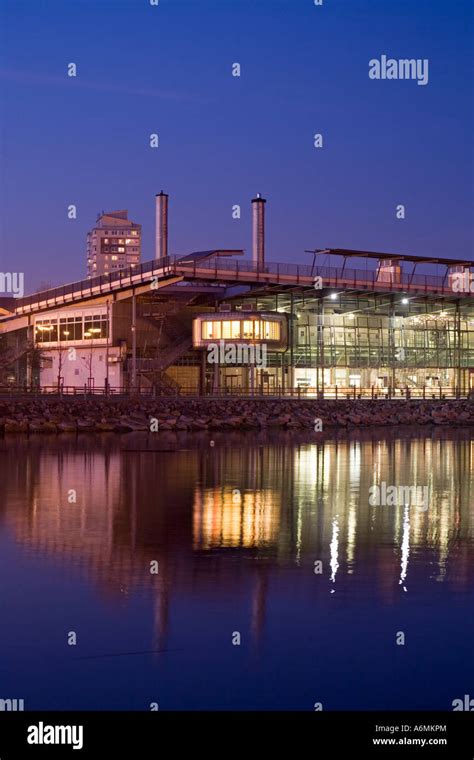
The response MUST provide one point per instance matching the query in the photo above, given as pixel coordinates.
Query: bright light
(404, 301)
(333, 296)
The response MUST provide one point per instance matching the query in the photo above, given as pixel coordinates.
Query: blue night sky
(167, 69)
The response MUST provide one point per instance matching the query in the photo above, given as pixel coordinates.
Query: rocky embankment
(97, 415)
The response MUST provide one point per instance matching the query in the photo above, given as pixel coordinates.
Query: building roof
(347, 252)
(123, 214)
(201, 255)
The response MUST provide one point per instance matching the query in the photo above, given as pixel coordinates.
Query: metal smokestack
(161, 228)
(258, 231)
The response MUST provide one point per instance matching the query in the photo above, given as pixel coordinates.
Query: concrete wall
(76, 364)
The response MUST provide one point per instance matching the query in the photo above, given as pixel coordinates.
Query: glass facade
(237, 329)
(366, 341)
(71, 329)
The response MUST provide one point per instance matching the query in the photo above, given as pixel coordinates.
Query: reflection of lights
(405, 546)
(351, 535)
(226, 517)
(306, 464)
(354, 461)
(333, 548)
(236, 496)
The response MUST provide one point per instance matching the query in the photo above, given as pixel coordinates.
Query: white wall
(76, 367)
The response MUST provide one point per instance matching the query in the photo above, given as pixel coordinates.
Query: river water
(157, 554)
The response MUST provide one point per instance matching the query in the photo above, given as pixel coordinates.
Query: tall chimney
(161, 229)
(258, 231)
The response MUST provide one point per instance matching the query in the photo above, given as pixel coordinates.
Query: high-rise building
(114, 243)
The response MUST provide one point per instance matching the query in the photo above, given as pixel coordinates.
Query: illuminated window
(226, 330)
(134, 232)
(257, 328)
(235, 331)
(271, 330)
(248, 329)
(46, 330)
(114, 258)
(211, 330)
(95, 326)
(121, 249)
(70, 328)
(121, 241)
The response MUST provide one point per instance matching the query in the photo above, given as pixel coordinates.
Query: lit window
(121, 249)
(114, 258)
(248, 329)
(46, 331)
(121, 240)
(271, 330)
(95, 326)
(211, 330)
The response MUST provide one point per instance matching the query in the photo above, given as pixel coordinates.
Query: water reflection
(248, 515)
(112, 509)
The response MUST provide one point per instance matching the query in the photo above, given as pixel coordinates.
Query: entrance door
(231, 383)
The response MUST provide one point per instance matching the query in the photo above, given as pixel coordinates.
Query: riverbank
(85, 414)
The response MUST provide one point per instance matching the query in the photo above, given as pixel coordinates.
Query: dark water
(236, 529)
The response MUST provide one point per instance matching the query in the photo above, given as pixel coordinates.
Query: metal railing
(232, 270)
(341, 393)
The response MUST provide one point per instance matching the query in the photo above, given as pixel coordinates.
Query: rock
(105, 427)
(66, 427)
(15, 427)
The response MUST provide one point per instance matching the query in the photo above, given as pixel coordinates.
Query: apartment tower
(114, 243)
